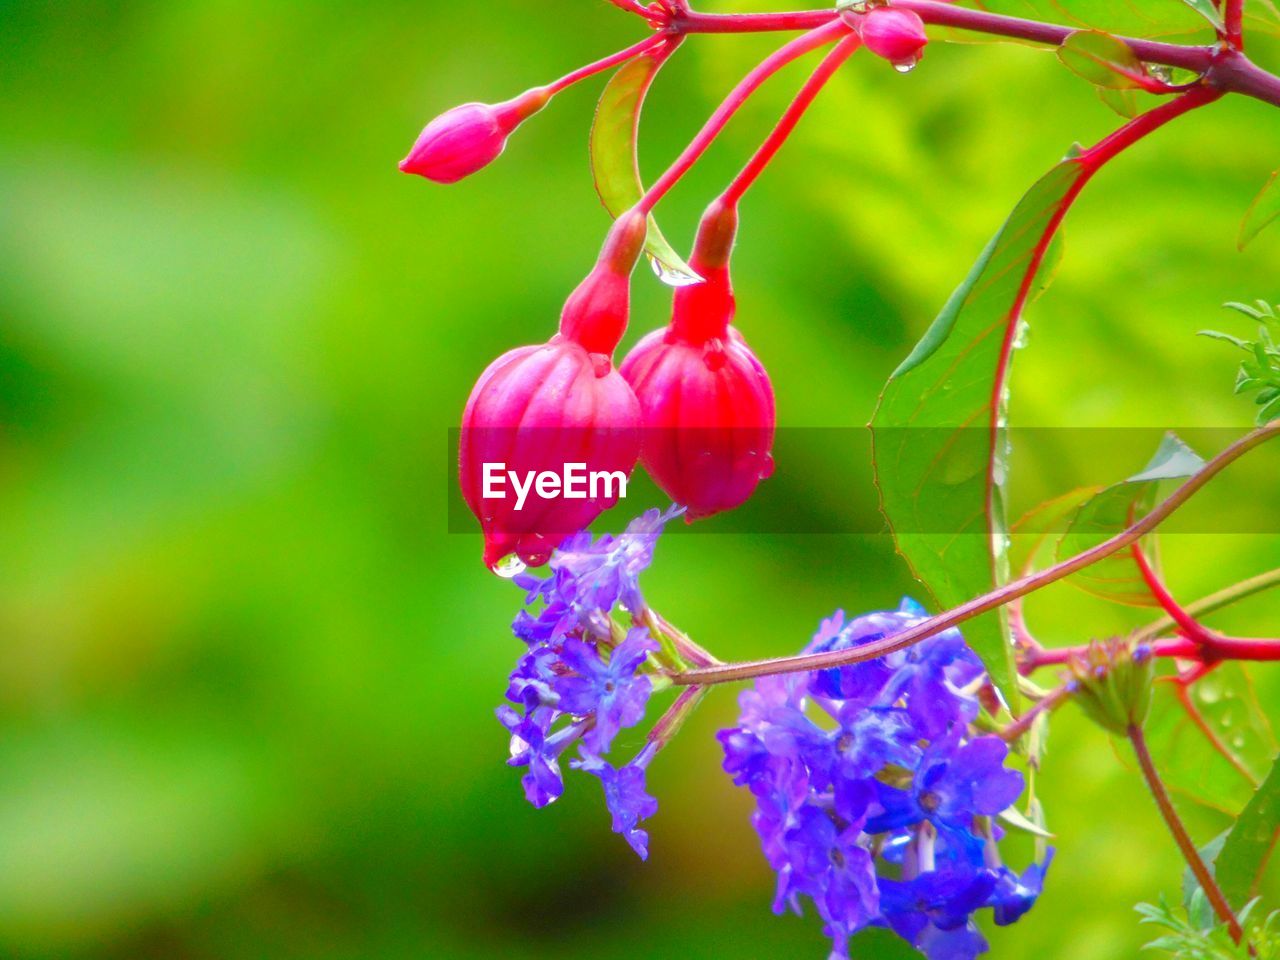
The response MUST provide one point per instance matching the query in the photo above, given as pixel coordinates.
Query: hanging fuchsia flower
(551, 433)
(707, 401)
(468, 138)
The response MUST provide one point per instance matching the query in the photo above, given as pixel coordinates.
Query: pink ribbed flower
(558, 410)
(896, 35)
(468, 138)
(707, 401)
(533, 412)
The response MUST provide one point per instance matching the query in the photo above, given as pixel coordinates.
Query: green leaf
(614, 152)
(1213, 742)
(1123, 102)
(1117, 577)
(1104, 61)
(940, 444)
(1208, 10)
(1249, 843)
(1264, 209)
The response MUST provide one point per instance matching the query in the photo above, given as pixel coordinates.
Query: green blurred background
(247, 677)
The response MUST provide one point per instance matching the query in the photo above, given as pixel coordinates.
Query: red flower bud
(896, 35)
(534, 412)
(707, 401)
(468, 138)
(559, 411)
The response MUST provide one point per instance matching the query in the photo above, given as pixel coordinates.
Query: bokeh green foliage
(246, 701)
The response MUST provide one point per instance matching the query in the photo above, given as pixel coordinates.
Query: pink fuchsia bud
(468, 138)
(897, 35)
(707, 402)
(597, 312)
(547, 436)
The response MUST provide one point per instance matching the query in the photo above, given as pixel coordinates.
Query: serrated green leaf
(1103, 60)
(940, 444)
(1262, 211)
(1117, 578)
(614, 150)
(1249, 842)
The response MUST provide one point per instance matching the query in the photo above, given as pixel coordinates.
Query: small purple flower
(625, 796)
(606, 572)
(873, 762)
(954, 782)
(1014, 895)
(827, 864)
(610, 691)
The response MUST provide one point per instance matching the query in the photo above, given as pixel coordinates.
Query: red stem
(1089, 162)
(778, 136)
(591, 69)
(1233, 22)
(1215, 649)
(729, 672)
(1227, 69)
(1189, 852)
(1187, 625)
(737, 97)
(1049, 703)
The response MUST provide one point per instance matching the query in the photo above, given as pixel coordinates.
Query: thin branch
(794, 112)
(1227, 69)
(1187, 625)
(1213, 602)
(821, 36)
(1056, 698)
(1189, 852)
(996, 598)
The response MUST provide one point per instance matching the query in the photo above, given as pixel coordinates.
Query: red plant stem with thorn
(1189, 852)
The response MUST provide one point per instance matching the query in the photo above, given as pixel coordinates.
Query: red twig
(1187, 625)
(1176, 827)
(622, 56)
(827, 33)
(1019, 588)
(778, 136)
(1049, 703)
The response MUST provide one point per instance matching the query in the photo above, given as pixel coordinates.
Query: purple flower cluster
(873, 797)
(580, 680)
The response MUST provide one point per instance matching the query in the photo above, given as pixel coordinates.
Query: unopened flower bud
(707, 401)
(596, 313)
(1112, 683)
(468, 138)
(548, 436)
(896, 35)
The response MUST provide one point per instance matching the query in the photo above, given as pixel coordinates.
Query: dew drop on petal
(601, 364)
(766, 467)
(509, 566)
(906, 66)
